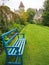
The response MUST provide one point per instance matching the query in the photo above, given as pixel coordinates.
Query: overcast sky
(14, 4)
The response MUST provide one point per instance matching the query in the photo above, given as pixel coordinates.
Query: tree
(46, 13)
(4, 11)
(23, 18)
(30, 13)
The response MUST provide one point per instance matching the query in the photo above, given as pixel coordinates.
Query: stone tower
(21, 7)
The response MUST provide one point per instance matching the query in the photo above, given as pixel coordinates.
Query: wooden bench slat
(19, 42)
(20, 46)
(16, 42)
(23, 48)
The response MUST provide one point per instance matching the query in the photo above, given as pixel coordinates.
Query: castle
(38, 15)
(21, 8)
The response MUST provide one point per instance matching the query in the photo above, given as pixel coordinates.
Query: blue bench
(16, 49)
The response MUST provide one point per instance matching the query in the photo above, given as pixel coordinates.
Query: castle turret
(21, 7)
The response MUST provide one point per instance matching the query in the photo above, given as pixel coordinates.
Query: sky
(14, 4)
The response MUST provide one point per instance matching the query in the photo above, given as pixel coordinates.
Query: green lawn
(37, 47)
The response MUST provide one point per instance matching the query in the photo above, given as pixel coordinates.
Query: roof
(21, 4)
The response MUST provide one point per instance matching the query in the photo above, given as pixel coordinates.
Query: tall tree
(30, 13)
(23, 18)
(46, 13)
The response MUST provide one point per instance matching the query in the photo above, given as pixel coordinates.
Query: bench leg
(6, 63)
(21, 60)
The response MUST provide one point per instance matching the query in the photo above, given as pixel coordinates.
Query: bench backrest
(15, 31)
(19, 42)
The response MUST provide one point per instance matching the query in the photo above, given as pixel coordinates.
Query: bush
(1, 45)
(46, 13)
(15, 25)
(45, 18)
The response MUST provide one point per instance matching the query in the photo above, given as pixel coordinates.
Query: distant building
(21, 8)
(38, 15)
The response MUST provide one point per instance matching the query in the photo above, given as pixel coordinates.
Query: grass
(37, 47)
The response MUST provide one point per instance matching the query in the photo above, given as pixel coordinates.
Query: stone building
(21, 8)
(38, 16)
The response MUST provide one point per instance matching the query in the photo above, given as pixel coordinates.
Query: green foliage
(15, 25)
(46, 18)
(30, 13)
(4, 11)
(46, 5)
(10, 20)
(23, 18)
(1, 45)
(46, 13)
